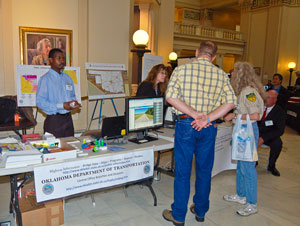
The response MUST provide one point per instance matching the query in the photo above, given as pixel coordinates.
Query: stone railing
(207, 32)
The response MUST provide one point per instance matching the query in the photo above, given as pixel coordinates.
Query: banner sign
(64, 179)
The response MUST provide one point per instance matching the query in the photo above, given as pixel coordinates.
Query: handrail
(207, 31)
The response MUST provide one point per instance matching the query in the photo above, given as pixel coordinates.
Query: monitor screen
(144, 113)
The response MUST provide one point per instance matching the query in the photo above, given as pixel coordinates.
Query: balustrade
(206, 31)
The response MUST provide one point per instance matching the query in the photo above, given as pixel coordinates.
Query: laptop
(112, 127)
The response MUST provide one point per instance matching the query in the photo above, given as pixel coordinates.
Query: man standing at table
(55, 96)
(200, 93)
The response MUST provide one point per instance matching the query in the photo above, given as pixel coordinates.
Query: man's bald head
(271, 98)
(273, 93)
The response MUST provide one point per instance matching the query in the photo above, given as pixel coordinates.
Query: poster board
(106, 81)
(149, 61)
(27, 77)
(223, 159)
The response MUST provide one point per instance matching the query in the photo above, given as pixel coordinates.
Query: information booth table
(95, 171)
(222, 150)
(293, 114)
(106, 169)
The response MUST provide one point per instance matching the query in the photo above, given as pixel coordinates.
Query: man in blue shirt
(55, 96)
(283, 94)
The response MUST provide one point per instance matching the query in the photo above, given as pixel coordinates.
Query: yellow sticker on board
(123, 132)
(251, 97)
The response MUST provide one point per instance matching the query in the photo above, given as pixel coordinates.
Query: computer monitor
(142, 114)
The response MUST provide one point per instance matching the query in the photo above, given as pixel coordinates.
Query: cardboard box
(46, 214)
(55, 213)
(68, 154)
(64, 151)
(28, 189)
(32, 214)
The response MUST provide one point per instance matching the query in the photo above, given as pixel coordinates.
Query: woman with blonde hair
(250, 93)
(155, 84)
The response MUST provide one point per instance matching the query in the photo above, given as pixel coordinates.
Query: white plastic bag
(243, 141)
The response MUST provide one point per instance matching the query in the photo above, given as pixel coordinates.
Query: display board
(149, 61)
(106, 81)
(223, 159)
(27, 81)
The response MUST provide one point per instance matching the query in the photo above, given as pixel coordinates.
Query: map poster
(74, 73)
(27, 81)
(106, 81)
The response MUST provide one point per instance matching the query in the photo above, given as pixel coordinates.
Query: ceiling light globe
(292, 65)
(173, 56)
(140, 38)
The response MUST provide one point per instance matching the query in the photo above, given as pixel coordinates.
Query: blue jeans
(188, 142)
(246, 175)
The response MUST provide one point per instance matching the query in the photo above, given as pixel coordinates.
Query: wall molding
(249, 5)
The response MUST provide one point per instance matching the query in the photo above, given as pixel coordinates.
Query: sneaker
(248, 210)
(235, 198)
(192, 209)
(167, 215)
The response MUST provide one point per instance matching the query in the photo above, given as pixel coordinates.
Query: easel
(100, 112)
(95, 69)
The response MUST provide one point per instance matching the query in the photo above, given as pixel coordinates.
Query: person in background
(283, 94)
(201, 93)
(269, 84)
(250, 93)
(55, 96)
(297, 84)
(271, 128)
(43, 46)
(155, 84)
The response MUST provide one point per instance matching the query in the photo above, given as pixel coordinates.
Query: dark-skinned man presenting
(55, 96)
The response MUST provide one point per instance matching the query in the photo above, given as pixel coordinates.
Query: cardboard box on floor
(46, 214)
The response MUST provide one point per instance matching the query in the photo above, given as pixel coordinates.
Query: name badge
(69, 87)
(269, 123)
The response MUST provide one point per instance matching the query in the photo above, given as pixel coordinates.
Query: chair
(27, 120)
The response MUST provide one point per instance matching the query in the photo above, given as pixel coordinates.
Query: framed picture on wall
(257, 70)
(35, 44)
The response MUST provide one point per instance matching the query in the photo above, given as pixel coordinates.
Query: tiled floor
(278, 198)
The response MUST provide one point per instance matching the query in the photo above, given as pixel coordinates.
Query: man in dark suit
(283, 93)
(271, 127)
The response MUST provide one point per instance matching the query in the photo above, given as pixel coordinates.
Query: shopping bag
(243, 141)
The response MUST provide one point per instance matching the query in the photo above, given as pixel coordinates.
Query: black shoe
(192, 209)
(274, 171)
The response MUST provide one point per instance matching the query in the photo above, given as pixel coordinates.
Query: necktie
(264, 115)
